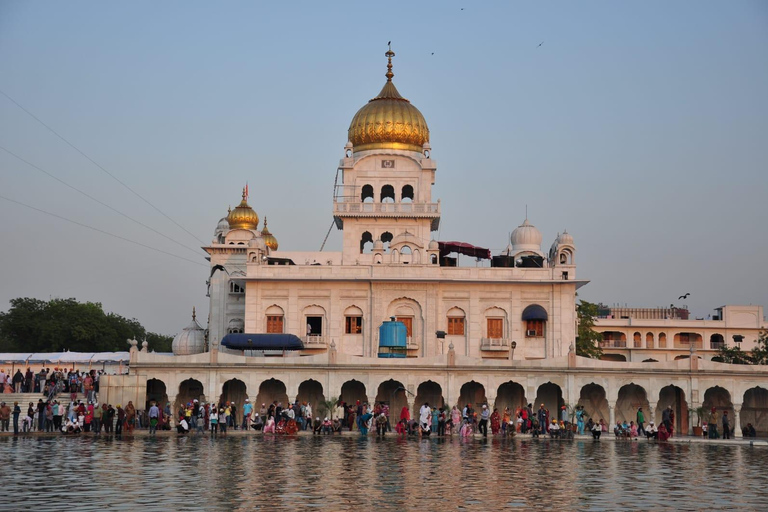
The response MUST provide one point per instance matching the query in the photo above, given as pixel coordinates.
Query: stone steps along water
(25, 399)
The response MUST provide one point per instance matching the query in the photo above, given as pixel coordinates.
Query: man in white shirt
(424, 414)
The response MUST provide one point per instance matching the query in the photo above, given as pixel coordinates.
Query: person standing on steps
(640, 421)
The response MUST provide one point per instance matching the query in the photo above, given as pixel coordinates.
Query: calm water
(247, 473)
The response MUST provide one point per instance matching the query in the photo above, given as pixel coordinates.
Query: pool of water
(346, 472)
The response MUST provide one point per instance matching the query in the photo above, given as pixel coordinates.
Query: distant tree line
(33, 325)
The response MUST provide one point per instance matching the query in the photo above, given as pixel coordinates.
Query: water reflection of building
(506, 328)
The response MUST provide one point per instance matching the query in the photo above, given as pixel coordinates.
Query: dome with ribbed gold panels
(269, 239)
(388, 121)
(243, 216)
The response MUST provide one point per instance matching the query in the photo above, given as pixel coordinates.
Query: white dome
(526, 237)
(221, 227)
(191, 340)
(433, 245)
(378, 244)
(565, 238)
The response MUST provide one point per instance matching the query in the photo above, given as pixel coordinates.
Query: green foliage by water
(33, 325)
(758, 355)
(587, 339)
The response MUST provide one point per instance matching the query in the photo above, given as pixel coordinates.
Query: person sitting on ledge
(256, 423)
(183, 426)
(663, 432)
(748, 431)
(651, 432)
(325, 426)
(337, 426)
(596, 430)
(554, 429)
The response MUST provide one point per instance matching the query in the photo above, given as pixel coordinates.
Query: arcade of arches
(609, 399)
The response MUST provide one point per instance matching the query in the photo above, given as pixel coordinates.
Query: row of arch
(387, 194)
(754, 407)
(619, 339)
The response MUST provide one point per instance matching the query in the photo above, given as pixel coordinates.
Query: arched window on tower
(386, 237)
(387, 194)
(366, 243)
(366, 195)
(407, 194)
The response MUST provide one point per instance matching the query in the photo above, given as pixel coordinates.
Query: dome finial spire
(389, 56)
(194, 315)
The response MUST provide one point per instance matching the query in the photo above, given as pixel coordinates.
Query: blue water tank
(393, 339)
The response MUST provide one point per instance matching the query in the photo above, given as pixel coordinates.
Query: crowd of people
(90, 416)
(79, 416)
(52, 382)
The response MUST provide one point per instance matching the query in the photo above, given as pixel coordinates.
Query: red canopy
(465, 249)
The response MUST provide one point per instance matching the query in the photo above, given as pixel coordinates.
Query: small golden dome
(388, 121)
(269, 239)
(243, 216)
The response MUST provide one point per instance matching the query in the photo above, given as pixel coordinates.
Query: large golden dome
(388, 121)
(243, 216)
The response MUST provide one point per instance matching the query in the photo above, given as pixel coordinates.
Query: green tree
(587, 339)
(758, 355)
(33, 325)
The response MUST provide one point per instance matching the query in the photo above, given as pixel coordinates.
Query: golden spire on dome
(269, 239)
(243, 216)
(389, 56)
(388, 121)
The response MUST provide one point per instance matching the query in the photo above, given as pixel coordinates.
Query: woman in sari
(455, 419)
(663, 433)
(495, 422)
(363, 424)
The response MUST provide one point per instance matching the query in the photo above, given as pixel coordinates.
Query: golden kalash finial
(389, 56)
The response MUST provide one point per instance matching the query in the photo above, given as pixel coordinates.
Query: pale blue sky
(641, 128)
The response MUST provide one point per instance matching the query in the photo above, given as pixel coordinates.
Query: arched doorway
(234, 391)
(631, 398)
(430, 392)
(156, 392)
(551, 396)
(512, 395)
(755, 410)
(673, 396)
(352, 391)
(189, 390)
(720, 399)
(270, 391)
(392, 393)
(595, 403)
(311, 391)
(472, 393)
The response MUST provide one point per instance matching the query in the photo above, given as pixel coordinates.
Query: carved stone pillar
(737, 420)
(652, 412)
(611, 415)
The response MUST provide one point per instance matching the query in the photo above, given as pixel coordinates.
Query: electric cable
(102, 231)
(99, 166)
(97, 200)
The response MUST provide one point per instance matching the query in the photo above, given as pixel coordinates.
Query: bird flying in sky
(541, 43)
(683, 296)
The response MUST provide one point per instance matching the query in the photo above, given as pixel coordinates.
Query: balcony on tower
(354, 208)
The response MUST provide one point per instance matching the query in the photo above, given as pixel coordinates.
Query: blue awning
(534, 312)
(246, 341)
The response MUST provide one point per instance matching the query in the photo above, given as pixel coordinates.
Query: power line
(102, 231)
(99, 166)
(96, 200)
